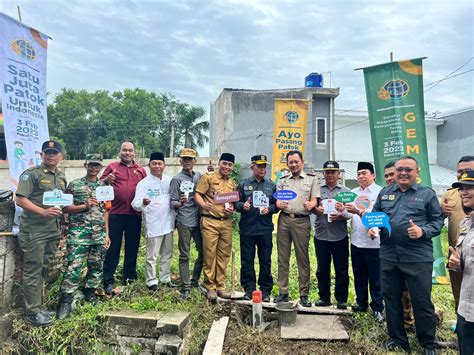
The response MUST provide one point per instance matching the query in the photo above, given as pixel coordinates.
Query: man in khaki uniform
(39, 228)
(216, 226)
(451, 206)
(294, 225)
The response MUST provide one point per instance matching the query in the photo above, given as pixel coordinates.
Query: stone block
(168, 344)
(136, 345)
(132, 318)
(5, 328)
(315, 327)
(173, 322)
(144, 331)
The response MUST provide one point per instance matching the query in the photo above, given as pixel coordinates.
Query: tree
(97, 122)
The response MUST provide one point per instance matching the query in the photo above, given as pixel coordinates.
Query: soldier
(187, 219)
(216, 226)
(294, 225)
(39, 228)
(87, 239)
(256, 229)
(152, 199)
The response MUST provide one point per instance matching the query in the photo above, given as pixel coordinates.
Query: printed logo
(23, 48)
(394, 90)
(292, 116)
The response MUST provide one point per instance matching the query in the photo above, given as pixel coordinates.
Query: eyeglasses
(401, 170)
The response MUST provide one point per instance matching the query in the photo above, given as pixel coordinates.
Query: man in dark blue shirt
(256, 229)
(407, 254)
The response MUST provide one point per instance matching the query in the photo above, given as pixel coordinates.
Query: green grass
(83, 330)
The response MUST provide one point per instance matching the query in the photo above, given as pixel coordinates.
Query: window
(321, 130)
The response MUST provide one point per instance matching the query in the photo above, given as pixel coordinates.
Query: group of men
(386, 265)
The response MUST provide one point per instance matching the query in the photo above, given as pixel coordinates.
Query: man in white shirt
(152, 198)
(364, 250)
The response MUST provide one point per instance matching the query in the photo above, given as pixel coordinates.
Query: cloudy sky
(193, 49)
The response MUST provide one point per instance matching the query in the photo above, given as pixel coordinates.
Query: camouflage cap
(187, 153)
(94, 158)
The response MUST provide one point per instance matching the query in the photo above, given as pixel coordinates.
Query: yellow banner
(289, 132)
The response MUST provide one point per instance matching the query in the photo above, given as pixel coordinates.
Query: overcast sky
(193, 49)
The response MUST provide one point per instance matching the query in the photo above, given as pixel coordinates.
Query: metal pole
(173, 124)
(232, 286)
(19, 12)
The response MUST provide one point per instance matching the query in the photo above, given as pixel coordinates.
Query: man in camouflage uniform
(87, 239)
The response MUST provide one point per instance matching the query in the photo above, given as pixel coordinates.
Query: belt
(295, 215)
(216, 218)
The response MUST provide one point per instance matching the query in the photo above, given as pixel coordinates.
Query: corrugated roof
(440, 177)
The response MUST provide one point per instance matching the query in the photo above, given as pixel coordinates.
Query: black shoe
(341, 305)
(305, 302)
(109, 289)
(39, 320)
(89, 295)
(248, 295)
(65, 307)
(429, 351)
(379, 318)
(194, 284)
(265, 296)
(169, 284)
(392, 345)
(185, 294)
(322, 303)
(358, 308)
(154, 288)
(282, 298)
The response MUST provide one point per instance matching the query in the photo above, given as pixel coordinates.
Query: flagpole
(19, 12)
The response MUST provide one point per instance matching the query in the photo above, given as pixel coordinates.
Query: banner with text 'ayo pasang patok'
(397, 126)
(23, 94)
(289, 132)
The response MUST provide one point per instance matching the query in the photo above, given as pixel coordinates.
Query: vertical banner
(289, 132)
(397, 126)
(23, 94)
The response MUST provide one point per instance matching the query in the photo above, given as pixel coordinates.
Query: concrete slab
(173, 322)
(215, 339)
(131, 317)
(315, 327)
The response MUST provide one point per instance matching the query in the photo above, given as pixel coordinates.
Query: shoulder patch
(25, 176)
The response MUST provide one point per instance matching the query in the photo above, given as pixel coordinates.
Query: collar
(302, 176)
(220, 176)
(252, 179)
(185, 173)
(133, 165)
(335, 187)
(46, 170)
(414, 186)
(369, 188)
(156, 177)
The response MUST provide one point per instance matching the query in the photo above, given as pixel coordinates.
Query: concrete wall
(456, 137)
(353, 141)
(243, 121)
(75, 168)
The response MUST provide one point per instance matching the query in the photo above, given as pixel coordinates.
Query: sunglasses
(401, 170)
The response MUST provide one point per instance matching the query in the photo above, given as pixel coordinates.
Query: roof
(440, 177)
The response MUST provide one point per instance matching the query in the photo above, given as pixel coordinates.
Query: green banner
(397, 126)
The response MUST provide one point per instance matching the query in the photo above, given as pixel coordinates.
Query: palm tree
(191, 126)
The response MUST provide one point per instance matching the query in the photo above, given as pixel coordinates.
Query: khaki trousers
(296, 230)
(217, 248)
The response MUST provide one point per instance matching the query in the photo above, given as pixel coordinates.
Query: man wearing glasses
(407, 254)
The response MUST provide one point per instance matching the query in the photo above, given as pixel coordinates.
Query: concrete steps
(129, 331)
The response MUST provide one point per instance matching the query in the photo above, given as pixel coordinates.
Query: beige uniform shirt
(211, 184)
(457, 215)
(305, 186)
(465, 248)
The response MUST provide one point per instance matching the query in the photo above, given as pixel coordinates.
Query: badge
(250, 188)
(246, 188)
(25, 177)
(384, 197)
(391, 197)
